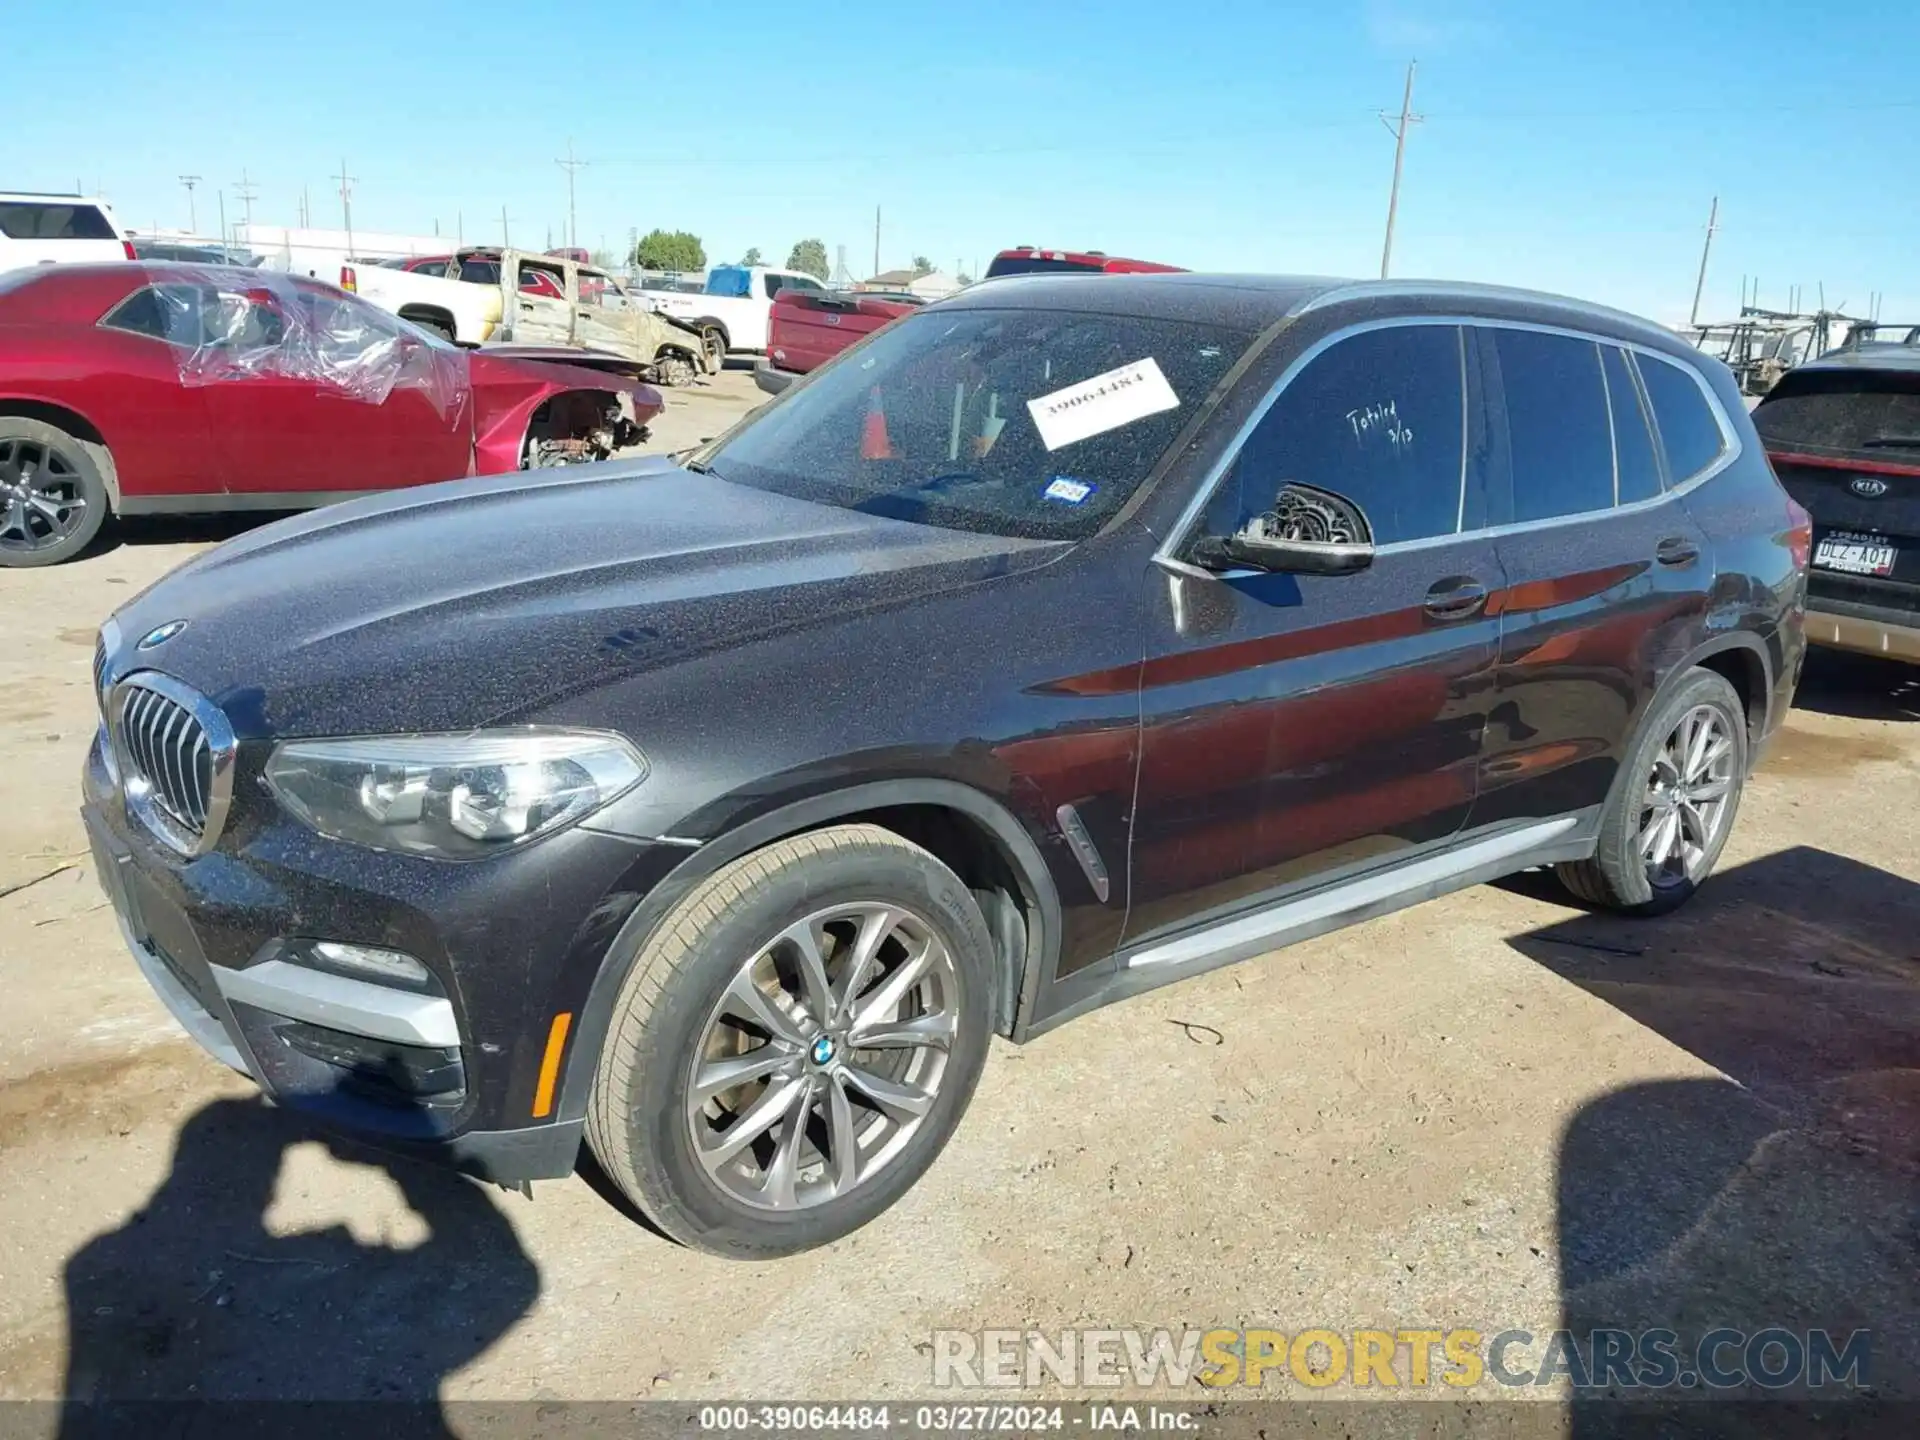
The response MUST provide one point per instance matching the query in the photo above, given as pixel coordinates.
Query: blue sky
(1568, 147)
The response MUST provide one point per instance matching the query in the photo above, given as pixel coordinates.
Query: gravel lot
(1495, 1111)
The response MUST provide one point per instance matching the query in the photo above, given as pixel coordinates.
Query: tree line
(682, 251)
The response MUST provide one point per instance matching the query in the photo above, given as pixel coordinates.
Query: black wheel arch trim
(595, 1018)
(1722, 644)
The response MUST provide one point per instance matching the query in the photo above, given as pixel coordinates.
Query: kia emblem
(1868, 487)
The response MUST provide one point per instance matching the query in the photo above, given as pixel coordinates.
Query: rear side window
(1559, 432)
(1688, 427)
(1632, 437)
(62, 220)
(480, 272)
(1377, 418)
(141, 313)
(774, 282)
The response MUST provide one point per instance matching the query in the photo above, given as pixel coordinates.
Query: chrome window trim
(1167, 556)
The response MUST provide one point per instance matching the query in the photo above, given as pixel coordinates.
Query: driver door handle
(1458, 597)
(1676, 550)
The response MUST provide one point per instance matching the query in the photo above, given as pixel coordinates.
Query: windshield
(1032, 423)
(730, 280)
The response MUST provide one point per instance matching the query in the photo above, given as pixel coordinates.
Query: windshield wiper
(1903, 442)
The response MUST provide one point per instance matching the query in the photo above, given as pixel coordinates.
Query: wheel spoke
(903, 1102)
(54, 509)
(875, 926)
(843, 1144)
(777, 1188)
(774, 1102)
(815, 991)
(716, 1077)
(748, 1001)
(936, 1031)
(1707, 790)
(1692, 827)
(1715, 753)
(1704, 731)
(883, 1004)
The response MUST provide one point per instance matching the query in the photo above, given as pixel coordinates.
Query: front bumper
(1866, 629)
(453, 1075)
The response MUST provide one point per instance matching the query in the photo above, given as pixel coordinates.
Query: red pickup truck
(807, 328)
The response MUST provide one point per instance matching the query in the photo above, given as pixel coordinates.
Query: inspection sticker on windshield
(1069, 491)
(1106, 402)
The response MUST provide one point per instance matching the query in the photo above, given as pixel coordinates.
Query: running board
(1249, 935)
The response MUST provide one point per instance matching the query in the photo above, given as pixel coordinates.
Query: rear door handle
(1458, 597)
(1676, 550)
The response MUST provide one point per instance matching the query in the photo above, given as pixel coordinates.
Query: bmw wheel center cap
(821, 1052)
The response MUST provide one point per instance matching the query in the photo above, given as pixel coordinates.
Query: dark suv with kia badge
(1055, 643)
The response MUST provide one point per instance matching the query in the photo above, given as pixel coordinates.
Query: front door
(539, 298)
(1297, 726)
(1608, 575)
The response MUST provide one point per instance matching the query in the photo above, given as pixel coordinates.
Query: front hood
(483, 600)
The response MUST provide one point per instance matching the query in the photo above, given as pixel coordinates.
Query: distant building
(934, 285)
(321, 253)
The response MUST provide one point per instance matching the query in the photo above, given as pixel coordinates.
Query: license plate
(1855, 554)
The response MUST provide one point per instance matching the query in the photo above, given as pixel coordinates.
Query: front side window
(1030, 423)
(1559, 432)
(1377, 418)
(1688, 427)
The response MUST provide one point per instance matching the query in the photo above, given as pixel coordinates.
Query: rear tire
(53, 493)
(723, 985)
(675, 371)
(715, 340)
(1673, 803)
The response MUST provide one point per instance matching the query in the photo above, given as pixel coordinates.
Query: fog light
(370, 962)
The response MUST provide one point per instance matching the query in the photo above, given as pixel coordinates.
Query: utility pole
(193, 221)
(1713, 224)
(459, 229)
(570, 165)
(505, 243)
(876, 240)
(246, 192)
(223, 218)
(1407, 117)
(346, 203)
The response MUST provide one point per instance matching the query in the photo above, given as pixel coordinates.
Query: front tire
(53, 493)
(675, 371)
(795, 1043)
(1673, 803)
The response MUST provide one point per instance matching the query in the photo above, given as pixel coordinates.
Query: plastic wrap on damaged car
(263, 325)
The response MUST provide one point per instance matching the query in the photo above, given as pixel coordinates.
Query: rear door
(1607, 573)
(1845, 442)
(1298, 726)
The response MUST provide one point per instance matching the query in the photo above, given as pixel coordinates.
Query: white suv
(58, 229)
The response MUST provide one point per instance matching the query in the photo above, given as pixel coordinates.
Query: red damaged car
(140, 389)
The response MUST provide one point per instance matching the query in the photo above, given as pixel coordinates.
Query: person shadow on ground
(1782, 1193)
(195, 1300)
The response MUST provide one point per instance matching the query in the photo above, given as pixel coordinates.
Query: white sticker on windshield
(1106, 402)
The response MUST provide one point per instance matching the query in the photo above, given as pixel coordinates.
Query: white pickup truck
(456, 296)
(733, 309)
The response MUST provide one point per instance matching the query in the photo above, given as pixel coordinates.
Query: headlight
(452, 796)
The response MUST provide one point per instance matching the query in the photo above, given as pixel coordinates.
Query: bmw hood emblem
(821, 1050)
(160, 634)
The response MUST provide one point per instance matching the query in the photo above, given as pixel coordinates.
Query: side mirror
(1309, 531)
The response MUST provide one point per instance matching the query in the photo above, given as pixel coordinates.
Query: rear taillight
(348, 280)
(1799, 533)
(127, 245)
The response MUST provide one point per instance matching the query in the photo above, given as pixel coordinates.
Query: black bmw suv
(1059, 641)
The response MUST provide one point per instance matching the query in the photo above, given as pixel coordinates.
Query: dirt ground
(1495, 1111)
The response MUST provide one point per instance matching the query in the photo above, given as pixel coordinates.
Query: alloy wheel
(1687, 798)
(41, 492)
(824, 1056)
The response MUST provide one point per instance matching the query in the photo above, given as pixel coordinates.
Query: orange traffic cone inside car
(874, 442)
